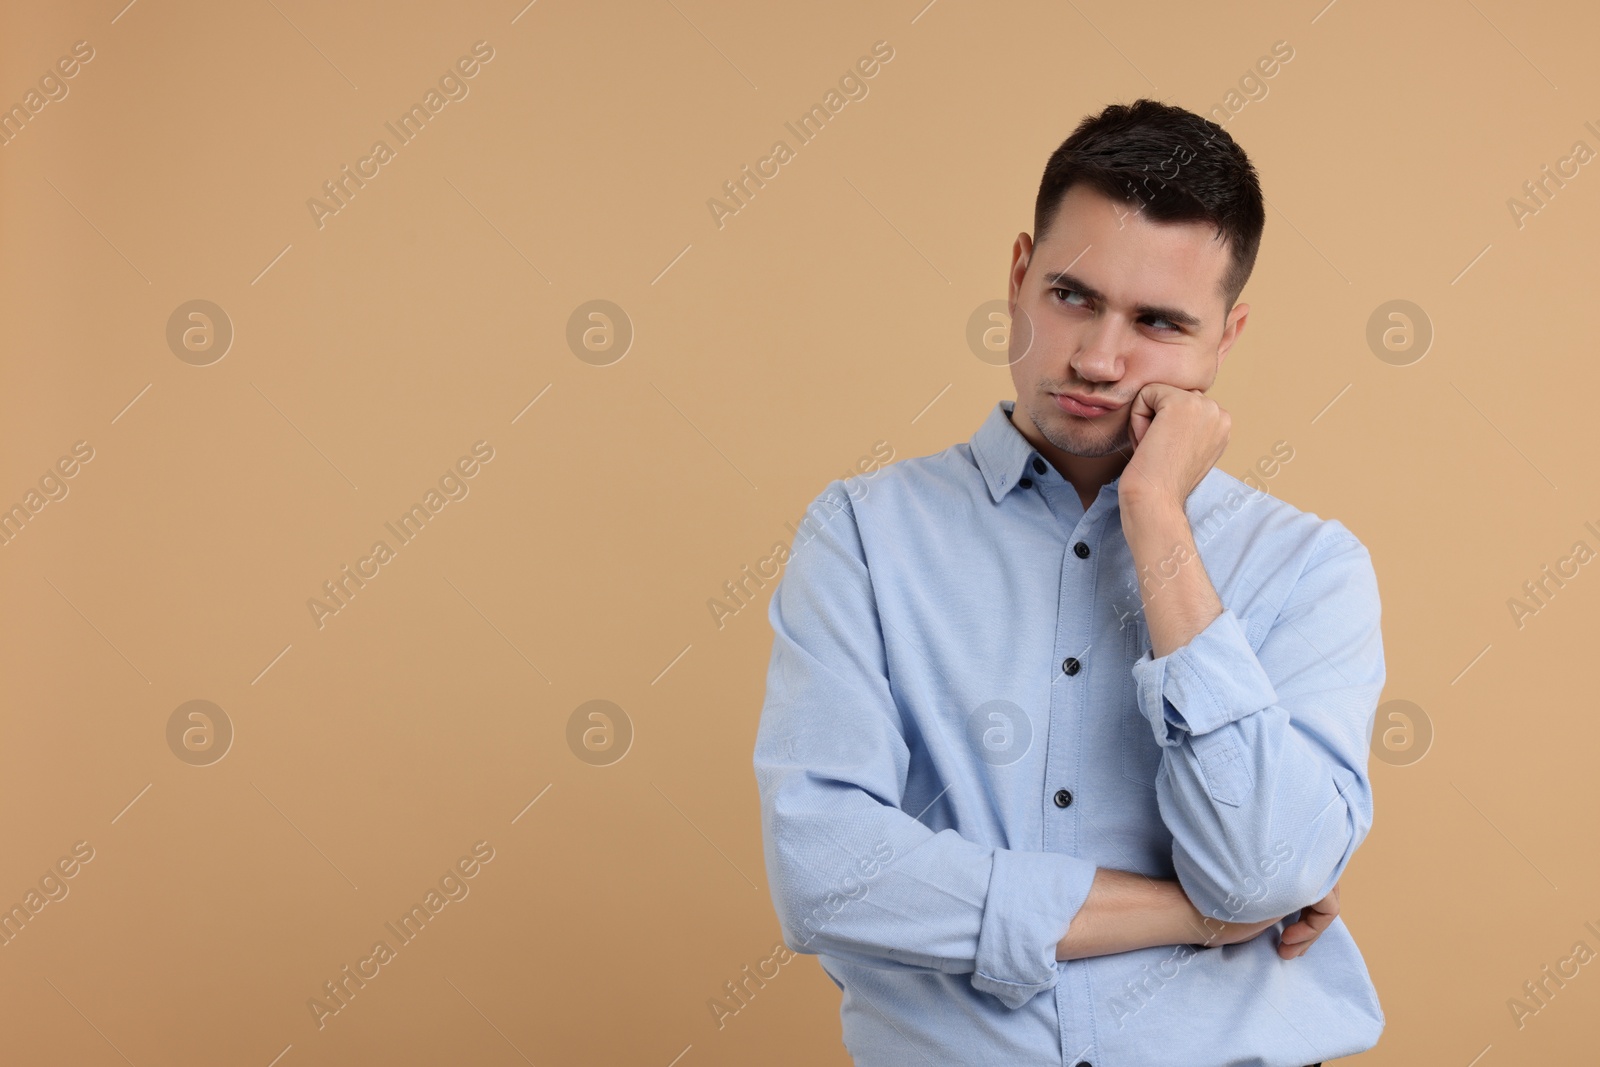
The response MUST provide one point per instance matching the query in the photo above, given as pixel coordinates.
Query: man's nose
(1100, 351)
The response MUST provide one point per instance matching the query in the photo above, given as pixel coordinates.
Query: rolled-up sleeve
(853, 875)
(1264, 783)
(1213, 680)
(1032, 898)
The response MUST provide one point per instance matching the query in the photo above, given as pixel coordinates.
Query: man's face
(1141, 304)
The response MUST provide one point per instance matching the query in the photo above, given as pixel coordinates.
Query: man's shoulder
(1228, 513)
(937, 476)
(1262, 551)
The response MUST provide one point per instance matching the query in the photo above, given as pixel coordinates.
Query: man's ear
(1021, 256)
(1231, 330)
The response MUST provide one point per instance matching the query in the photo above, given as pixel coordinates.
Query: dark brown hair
(1174, 165)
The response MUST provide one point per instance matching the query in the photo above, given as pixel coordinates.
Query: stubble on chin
(1082, 439)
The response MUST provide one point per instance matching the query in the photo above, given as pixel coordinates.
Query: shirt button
(1038, 465)
(1081, 550)
(1071, 665)
(1083, 1063)
(1063, 797)
(1026, 483)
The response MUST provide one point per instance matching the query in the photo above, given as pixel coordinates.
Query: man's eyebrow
(1065, 280)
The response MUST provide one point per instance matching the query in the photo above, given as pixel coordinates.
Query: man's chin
(1082, 437)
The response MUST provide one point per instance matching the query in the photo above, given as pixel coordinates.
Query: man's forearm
(1126, 911)
(1177, 606)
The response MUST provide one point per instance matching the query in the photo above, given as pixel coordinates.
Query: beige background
(769, 355)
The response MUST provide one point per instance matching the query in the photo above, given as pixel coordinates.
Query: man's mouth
(1084, 406)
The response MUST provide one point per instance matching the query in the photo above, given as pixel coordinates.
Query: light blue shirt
(963, 720)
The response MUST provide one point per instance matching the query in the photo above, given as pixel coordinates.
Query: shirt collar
(1001, 450)
(1003, 454)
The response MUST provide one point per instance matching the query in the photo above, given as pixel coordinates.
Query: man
(1064, 744)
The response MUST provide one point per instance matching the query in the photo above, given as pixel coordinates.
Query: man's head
(1146, 228)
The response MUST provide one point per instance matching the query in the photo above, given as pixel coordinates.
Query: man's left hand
(1178, 436)
(1314, 919)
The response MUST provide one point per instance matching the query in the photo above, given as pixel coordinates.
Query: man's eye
(1167, 325)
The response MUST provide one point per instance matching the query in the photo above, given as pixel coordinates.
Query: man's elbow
(801, 929)
(1279, 889)
(810, 910)
(1214, 903)
(1262, 909)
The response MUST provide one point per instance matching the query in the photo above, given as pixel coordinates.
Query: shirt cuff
(1213, 680)
(1032, 899)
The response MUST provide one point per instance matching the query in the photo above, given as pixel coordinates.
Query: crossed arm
(1126, 911)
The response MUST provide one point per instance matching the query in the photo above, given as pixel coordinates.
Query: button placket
(1067, 700)
(1077, 598)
